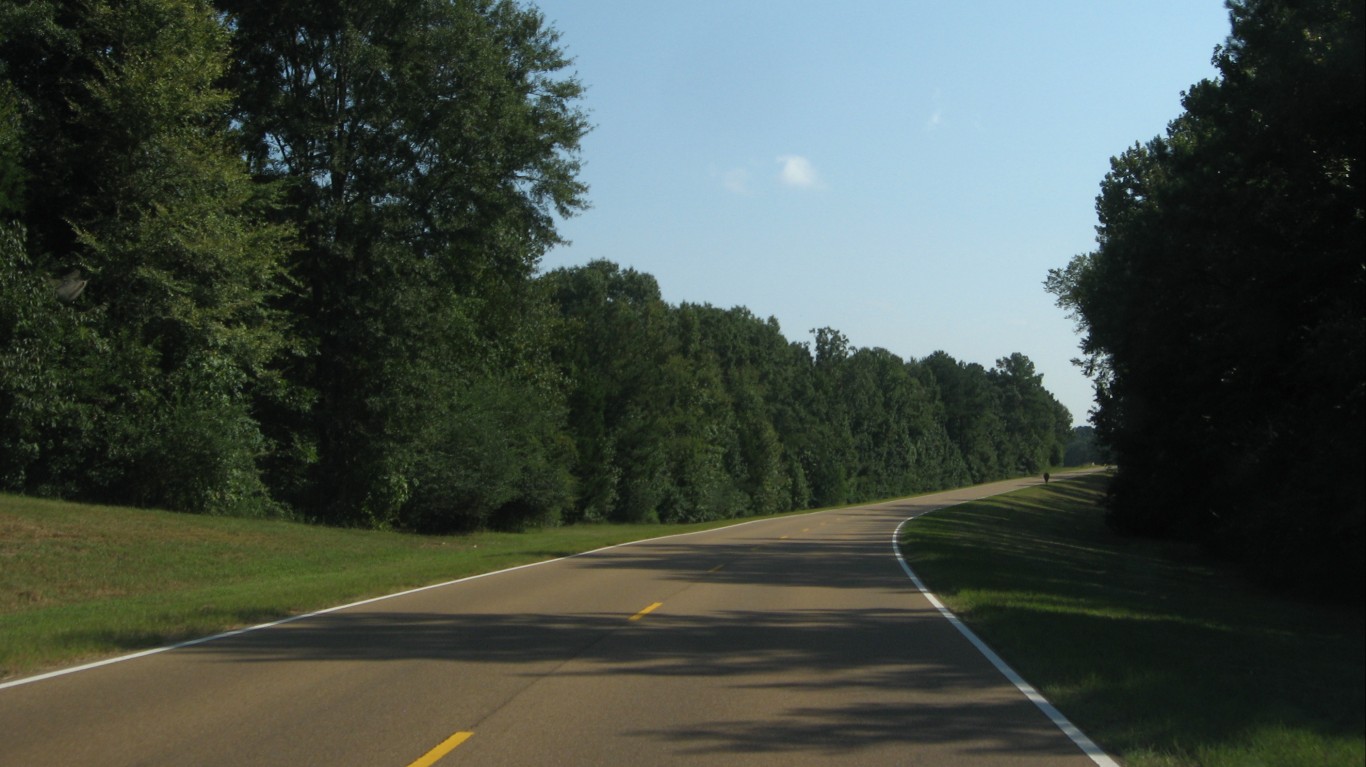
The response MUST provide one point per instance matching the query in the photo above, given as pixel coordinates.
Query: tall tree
(752, 355)
(972, 414)
(615, 338)
(130, 177)
(424, 147)
(1037, 427)
(1223, 307)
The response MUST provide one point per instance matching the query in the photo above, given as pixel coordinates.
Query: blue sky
(904, 171)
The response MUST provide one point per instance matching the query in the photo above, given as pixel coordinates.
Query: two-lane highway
(790, 641)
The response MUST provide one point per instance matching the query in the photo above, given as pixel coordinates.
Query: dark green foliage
(692, 412)
(1037, 427)
(36, 340)
(1085, 449)
(613, 341)
(1224, 306)
(1004, 422)
(493, 458)
(972, 415)
(754, 362)
(129, 176)
(423, 148)
(11, 149)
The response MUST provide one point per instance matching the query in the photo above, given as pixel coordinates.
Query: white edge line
(316, 613)
(1088, 746)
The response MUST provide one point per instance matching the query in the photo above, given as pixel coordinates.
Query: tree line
(1224, 306)
(264, 258)
(690, 412)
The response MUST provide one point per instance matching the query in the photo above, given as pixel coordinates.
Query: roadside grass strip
(1055, 716)
(1161, 656)
(81, 583)
(95, 585)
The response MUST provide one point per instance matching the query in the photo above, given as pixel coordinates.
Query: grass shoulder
(80, 582)
(1164, 658)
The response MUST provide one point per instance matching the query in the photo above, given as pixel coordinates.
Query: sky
(903, 171)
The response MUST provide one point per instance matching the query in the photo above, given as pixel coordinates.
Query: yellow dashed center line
(646, 611)
(447, 745)
(714, 569)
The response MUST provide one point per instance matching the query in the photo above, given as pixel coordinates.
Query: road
(792, 641)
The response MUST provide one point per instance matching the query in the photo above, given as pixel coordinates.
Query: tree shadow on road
(845, 680)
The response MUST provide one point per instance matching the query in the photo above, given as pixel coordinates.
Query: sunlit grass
(1164, 658)
(79, 582)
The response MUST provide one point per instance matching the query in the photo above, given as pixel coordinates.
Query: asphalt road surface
(791, 641)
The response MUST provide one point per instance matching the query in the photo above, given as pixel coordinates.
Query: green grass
(1162, 657)
(81, 582)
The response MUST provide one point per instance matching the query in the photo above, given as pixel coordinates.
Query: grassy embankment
(1162, 657)
(80, 582)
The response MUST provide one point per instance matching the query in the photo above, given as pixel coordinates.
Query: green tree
(692, 412)
(752, 356)
(1085, 449)
(1036, 426)
(424, 148)
(129, 175)
(11, 151)
(1223, 307)
(972, 414)
(614, 340)
(827, 444)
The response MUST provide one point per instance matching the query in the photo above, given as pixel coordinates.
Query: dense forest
(264, 258)
(1224, 308)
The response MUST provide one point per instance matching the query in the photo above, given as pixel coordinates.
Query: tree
(1037, 427)
(614, 339)
(1085, 449)
(1223, 306)
(11, 150)
(752, 357)
(972, 414)
(129, 175)
(423, 148)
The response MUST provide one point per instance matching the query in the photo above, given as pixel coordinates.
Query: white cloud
(798, 172)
